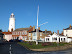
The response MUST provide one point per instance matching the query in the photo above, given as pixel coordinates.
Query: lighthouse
(12, 23)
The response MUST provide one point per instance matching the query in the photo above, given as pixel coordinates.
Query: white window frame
(18, 33)
(40, 34)
(29, 34)
(25, 32)
(22, 33)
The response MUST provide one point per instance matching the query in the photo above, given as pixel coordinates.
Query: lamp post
(37, 27)
(37, 30)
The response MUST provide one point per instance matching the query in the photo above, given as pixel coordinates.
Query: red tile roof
(7, 32)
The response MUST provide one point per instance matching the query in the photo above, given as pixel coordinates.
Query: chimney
(70, 26)
(53, 32)
(8, 31)
(62, 33)
(33, 28)
(39, 28)
(58, 32)
(30, 26)
(45, 31)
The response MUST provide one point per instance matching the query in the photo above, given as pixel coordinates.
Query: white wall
(34, 37)
(62, 37)
(50, 39)
(68, 32)
(8, 37)
(56, 38)
(69, 39)
(11, 23)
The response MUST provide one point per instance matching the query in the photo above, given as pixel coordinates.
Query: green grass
(34, 46)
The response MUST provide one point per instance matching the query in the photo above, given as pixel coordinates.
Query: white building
(12, 23)
(56, 38)
(68, 32)
(7, 35)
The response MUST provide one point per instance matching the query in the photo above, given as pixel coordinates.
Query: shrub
(30, 43)
(46, 44)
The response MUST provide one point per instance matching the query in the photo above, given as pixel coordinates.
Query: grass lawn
(34, 46)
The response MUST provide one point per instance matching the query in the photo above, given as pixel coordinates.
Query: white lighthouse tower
(12, 23)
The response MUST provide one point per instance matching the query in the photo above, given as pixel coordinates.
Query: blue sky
(58, 13)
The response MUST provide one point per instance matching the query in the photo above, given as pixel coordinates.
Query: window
(64, 39)
(22, 33)
(61, 38)
(34, 34)
(54, 38)
(25, 32)
(14, 37)
(66, 34)
(48, 39)
(14, 33)
(18, 33)
(29, 34)
(40, 34)
(23, 37)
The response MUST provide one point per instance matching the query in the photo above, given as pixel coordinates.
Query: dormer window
(66, 34)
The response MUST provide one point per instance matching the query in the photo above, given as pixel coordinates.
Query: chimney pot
(39, 28)
(33, 28)
(58, 32)
(70, 26)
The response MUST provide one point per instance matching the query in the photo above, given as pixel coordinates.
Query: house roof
(35, 31)
(21, 29)
(30, 29)
(69, 37)
(7, 32)
(68, 28)
(47, 31)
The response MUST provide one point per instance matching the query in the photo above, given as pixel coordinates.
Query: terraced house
(68, 32)
(21, 33)
(32, 35)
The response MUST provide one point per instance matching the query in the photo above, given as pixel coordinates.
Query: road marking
(10, 52)
(10, 48)
(10, 44)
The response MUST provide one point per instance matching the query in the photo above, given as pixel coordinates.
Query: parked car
(39, 40)
(11, 40)
(20, 40)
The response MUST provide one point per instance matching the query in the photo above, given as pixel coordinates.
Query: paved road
(14, 48)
